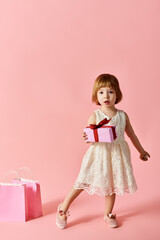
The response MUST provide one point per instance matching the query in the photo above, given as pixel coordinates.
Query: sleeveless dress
(106, 168)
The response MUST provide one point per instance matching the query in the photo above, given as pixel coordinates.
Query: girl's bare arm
(91, 120)
(131, 134)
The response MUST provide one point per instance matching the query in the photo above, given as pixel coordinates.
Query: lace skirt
(106, 169)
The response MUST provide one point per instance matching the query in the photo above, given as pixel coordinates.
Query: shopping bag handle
(10, 172)
(27, 170)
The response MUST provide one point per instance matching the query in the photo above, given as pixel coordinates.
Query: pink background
(50, 54)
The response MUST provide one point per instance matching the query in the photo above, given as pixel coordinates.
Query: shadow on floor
(50, 207)
(84, 219)
(151, 207)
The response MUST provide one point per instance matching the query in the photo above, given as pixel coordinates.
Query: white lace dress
(106, 167)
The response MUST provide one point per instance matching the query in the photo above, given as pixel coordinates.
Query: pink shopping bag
(13, 202)
(33, 196)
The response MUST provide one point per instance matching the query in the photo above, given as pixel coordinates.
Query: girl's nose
(107, 95)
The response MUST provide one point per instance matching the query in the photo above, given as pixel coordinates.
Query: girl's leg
(109, 203)
(72, 194)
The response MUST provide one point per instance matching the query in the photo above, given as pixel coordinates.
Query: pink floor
(137, 220)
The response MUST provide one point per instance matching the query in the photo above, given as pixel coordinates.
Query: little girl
(106, 168)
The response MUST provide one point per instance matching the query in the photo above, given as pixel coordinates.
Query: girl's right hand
(84, 135)
(144, 156)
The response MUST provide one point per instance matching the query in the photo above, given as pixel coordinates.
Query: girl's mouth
(106, 102)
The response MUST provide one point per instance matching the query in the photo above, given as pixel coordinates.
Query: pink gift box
(101, 132)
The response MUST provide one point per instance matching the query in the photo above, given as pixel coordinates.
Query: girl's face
(106, 96)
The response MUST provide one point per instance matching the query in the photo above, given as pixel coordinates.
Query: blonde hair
(106, 80)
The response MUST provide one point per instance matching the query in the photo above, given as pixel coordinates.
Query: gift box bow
(100, 124)
(95, 127)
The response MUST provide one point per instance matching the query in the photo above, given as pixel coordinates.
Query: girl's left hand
(144, 156)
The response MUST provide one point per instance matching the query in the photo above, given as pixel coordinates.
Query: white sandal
(60, 222)
(111, 220)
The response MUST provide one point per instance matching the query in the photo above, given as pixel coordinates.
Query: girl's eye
(111, 91)
(101, 92)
